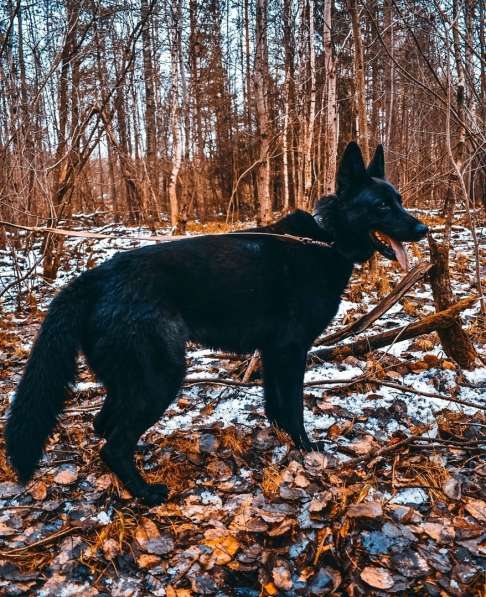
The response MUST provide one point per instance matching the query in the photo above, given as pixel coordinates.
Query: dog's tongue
(400, 253)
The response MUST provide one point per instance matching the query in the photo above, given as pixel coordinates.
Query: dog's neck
(336, 232)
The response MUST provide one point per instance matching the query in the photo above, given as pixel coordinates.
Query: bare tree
(260, 79)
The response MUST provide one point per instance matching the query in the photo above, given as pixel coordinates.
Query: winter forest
(126, 124)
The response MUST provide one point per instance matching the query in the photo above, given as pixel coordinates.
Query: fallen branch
(361, 324)
(431, 323)
(49, 539)
(410, 390)
(378, 453)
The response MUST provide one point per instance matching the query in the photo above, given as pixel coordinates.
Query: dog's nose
(421, 230)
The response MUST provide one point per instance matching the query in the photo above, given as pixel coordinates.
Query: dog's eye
(382, 205)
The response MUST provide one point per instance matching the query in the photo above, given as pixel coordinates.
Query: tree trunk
(176, 214)
(150, 117)
(309, 137)
(454, 339)
(331, 115)
(388, 39)
(261, 97)
(360, 79)
(289, 62)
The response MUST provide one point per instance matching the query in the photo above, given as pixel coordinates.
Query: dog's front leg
(284, 370)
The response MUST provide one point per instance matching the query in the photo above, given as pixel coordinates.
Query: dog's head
(369, 215)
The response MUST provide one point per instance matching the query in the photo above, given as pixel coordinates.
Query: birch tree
(176, 111)
(261, 99)
(331, 113)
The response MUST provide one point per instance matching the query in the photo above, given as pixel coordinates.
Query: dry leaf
(270, 589)
(224, 548)
(439, 532)
(476, 508)
(362, 447)
(380, 578)
(103, 482)
(282, 578)
(66, 475)
(151, 540)
(147, 560)
(365, 510)
(111, 548)
(38, 491)
(452, 488)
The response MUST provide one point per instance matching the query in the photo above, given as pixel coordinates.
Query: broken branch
(361, 324)
(431, 323)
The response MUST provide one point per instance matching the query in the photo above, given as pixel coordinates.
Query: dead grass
(271, 480)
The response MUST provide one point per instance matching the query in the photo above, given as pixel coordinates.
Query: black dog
(133, 315)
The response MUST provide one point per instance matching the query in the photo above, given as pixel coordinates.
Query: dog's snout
(420, 230)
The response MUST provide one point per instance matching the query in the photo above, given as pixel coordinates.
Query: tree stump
(454, 340)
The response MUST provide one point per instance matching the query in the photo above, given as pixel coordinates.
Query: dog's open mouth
(390, 248)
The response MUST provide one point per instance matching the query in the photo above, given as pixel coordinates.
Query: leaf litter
(395, 504)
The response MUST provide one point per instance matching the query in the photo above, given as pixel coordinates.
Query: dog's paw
(154, 495)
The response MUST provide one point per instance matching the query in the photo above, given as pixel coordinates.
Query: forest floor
(249, 515)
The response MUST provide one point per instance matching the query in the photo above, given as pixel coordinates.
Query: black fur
(133, 315)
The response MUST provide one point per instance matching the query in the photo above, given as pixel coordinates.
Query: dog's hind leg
(104, 419)
(148, 381)
(284, 370)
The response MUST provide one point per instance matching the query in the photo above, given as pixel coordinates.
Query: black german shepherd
(133, 315)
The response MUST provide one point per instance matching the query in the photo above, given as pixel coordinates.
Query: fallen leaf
(6, 531)
(111, 548)
(67, 474)
(38, 491)
(103, 482)
(379, 578)
(282, 578)
(149, 538)
(326, 581)
(270, 589)
(441, 533)
(147, 560)
(365, 510)
(476, 508)
(452, 488)
(224, 548)
(362, 447)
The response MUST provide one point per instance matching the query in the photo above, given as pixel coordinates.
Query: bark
(388, 39)
(454, 339)
(359, 69)
(176, 214)
(361, 324)
(150, 109)
(260, 80)
(52, 247)
(436, 322)
(289, 68)
(310, 121)
(331, 115)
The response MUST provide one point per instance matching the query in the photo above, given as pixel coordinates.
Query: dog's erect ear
(376, 167)
(351, 171)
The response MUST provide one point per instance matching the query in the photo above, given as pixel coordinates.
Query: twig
(377, 453)
(410, 390)
(45, 541)
(252, 366)
(361, 324)
(430, 323)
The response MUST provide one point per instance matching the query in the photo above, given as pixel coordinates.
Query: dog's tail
(42, 390)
